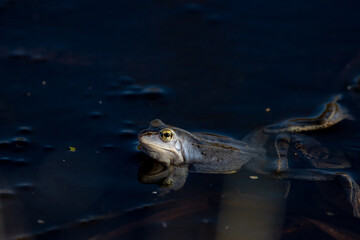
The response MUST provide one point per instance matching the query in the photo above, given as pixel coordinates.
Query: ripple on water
(21, 55)
(37, 58)
(5, 160)
(129, 123)
(134, 87)
(18, 54)
(121, 82)
(20, 143)
(153, 92)
(5, 144)
(96, 115)
(17, 143)
(109, 146)
(20, 161)
(15, 161)
(24, 130)
(127, 133)
(126, 79)
(25, 186)
(213, 19)
(6, 193)
(193, 8)
(138, 92)
(48, 147)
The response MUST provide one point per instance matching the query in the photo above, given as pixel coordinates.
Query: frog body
(206, 152)
(331, 114)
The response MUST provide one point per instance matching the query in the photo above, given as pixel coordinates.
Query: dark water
(90, 74)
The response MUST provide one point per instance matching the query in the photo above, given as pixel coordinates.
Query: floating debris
(267, 110)
(72, 149)
(253, 177)
(43, 83)
(40, 221)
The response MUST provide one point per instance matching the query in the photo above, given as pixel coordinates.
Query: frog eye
(166, 134)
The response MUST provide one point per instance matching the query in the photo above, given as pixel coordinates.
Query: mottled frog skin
(264, 151)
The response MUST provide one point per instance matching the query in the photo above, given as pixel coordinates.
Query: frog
(265, 151)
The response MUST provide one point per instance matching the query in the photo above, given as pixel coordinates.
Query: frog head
(163, 143)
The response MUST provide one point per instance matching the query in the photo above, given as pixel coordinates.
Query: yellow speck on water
(267, 110)
(72, 149)
(43, 83)
(40, 221)
(254, 177)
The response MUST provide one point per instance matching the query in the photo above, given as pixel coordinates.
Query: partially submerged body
(264, 151)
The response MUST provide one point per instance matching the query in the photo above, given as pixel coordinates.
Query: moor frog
(264, 151)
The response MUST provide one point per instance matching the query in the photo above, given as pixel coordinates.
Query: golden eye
(166, 134)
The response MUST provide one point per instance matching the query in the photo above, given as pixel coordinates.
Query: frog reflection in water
(264, 151)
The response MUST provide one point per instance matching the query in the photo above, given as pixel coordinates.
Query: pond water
(79, 80)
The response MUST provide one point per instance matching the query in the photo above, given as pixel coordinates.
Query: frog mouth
(153, 148)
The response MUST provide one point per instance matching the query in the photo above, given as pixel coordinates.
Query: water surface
(79, 79)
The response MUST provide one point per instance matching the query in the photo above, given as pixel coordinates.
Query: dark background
(91, 74)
